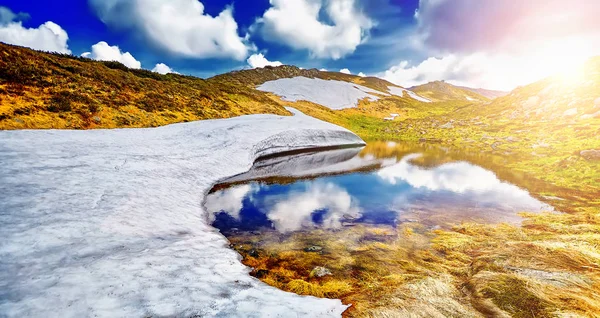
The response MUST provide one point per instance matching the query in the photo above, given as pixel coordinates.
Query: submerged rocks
(591, 154)
(314, 248)
(320, 271)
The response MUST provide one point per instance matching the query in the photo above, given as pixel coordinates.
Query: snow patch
(329, 93)
(399, 91)
(110, 223)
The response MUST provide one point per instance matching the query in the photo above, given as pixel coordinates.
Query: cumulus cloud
(163, 69)
(295, 211)
(345, 71)
(259, 60)
(459, 178)
(488, 70)
(299, 25)
(101, 51)
(179, 26)
(47, 37)
(230, 201)
(361, 74)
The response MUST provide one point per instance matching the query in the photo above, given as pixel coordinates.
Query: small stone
(320, 271)
(314, 248)
(511, 139)
(541, 145)
(96, 119)
(592, 154)
(570, 112)
(19, 121)
(253, 253)
(447, 125)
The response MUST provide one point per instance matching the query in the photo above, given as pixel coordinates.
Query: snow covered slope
(109, 223)
(399, 91)
(331, 93)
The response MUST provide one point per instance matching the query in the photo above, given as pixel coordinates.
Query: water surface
(381, 184)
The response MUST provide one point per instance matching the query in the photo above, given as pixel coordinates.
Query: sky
(488, 44)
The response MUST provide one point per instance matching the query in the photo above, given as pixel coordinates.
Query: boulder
(592, 154)
(320, 271)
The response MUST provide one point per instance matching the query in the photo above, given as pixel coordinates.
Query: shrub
(115, 65)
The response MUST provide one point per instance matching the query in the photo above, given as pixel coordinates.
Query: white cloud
(323, 70)
(295, 211)
(101, 51)
(504, 45)
(493, 71)
(361, 74)
(345, 71)
(163, 69)
(230, 201)
(179, 26)
(296, 23)
(459, 178)
(259, 60)
(47, 37)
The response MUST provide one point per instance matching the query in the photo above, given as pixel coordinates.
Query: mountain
(572, 97)
(440, 91)
(46, 90)
(489, 93)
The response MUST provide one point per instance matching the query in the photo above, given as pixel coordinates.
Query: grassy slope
(441, 91)
(43, 90)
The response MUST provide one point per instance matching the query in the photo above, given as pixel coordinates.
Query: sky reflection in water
(372, 186)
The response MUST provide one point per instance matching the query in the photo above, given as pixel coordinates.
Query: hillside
(442, 91)
(257, 76)
(489, 93)
(44, 90)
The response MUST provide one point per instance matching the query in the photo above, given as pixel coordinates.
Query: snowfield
(399, 91)
(329, 93)
(110, 223)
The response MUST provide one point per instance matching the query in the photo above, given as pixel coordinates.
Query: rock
(531, 102)
(511, 139)
(19, 121)
(261, 273)
(570, 112)
(552, 198)
(592, 154)
(314, 248)
(594, 115)
(96, 119)
(253, 253)
(495, 145)
(320, 271)
(447, 125)
(541, 144)
(350, 217)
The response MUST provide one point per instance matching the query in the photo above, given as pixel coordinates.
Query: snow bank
(399, 91)
(330, 93)
(109, 223)
(311, 164)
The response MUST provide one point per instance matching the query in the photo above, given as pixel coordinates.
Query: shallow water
(382, 184)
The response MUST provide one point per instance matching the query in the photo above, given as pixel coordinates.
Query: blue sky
(498, 44)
